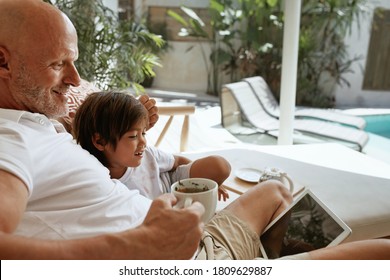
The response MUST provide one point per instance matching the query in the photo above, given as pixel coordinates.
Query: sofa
(353, 185)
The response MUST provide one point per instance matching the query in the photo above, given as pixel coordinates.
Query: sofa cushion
(76, 96)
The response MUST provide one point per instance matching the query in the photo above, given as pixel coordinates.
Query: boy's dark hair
(108, 113)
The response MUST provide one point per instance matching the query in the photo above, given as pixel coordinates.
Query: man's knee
(276, 189)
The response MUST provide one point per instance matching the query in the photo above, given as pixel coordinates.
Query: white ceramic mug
(202, 190)
(273, 173)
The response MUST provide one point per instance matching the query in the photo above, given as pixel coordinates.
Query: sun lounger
(240, 108)
(271, 106)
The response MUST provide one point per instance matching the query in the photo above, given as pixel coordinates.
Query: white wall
(182, 71)
(358, 43)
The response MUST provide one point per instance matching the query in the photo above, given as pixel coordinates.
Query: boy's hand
(222, 193)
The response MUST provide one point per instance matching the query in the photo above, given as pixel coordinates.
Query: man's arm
(166, 233)
(13, 201)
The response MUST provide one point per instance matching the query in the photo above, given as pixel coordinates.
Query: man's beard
(35, 98)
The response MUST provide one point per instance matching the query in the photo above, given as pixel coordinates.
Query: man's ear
(98, 142)
(4, 60)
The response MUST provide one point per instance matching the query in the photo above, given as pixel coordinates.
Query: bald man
(58, 202)
(38, 47)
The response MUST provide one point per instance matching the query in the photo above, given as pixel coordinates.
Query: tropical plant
(113, 53)
(248, 41)
(323, 53)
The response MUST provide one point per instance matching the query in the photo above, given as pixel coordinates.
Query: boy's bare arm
(179, 160)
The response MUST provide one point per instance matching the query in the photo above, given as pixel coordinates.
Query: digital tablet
(307, 224)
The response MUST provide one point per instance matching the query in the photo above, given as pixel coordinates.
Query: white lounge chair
(271, 106)
(240, 109)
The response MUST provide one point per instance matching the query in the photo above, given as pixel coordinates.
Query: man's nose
(72, 76)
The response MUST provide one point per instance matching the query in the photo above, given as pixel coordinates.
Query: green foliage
(113, 53)
(247, 40)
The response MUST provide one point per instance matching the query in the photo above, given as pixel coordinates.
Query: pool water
(378, 124)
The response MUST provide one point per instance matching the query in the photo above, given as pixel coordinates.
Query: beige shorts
(217, 242)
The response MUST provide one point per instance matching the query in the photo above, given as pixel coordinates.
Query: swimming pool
(378, 124)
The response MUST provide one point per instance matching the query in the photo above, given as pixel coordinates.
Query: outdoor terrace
(354, 185)
(207, 133)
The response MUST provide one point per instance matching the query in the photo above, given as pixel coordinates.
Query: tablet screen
(306, 226)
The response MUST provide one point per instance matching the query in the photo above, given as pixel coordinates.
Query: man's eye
(58, 66)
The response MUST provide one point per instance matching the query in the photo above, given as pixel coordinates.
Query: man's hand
(150, 105)
(172, 233)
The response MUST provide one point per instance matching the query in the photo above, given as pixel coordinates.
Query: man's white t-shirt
(71, 194)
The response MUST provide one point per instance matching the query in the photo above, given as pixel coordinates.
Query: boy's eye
(133, 136)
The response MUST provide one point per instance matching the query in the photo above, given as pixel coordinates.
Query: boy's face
(130, 148)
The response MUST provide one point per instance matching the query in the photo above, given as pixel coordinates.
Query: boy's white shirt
(148, 176)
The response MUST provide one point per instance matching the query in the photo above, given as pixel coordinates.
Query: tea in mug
(195, 188)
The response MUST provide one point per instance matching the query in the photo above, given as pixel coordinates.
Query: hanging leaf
(189, 12)
(177, 17)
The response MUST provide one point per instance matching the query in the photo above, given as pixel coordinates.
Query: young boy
(112, 127)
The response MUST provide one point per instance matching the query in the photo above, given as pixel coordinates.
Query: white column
(292, 15)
